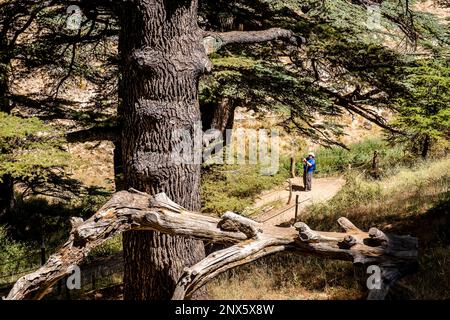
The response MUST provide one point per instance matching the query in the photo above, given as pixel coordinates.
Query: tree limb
(213, 41)
(135, 210)
(347, 102)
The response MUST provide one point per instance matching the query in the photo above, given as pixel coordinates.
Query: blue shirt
(310, 169)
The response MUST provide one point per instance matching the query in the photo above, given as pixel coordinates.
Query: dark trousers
(307, 180)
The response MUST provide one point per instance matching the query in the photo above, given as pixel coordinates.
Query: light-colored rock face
(357, 128)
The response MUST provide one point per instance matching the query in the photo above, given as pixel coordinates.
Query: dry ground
(323, 190)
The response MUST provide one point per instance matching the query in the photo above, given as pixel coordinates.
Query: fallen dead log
(396, 256)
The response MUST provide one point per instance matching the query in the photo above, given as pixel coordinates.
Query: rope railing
(286, 209)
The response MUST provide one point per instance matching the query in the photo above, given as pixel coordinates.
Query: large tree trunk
(162, 59)
(425, 147)
(218, 115)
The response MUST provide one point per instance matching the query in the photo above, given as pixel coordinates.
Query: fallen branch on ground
(135, 210)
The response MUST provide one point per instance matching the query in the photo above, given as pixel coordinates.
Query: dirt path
(323, 190)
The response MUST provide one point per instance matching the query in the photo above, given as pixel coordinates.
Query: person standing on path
(309, 165)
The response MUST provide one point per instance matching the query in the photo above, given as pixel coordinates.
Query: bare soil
(323, 189)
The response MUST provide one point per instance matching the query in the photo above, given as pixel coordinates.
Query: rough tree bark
(216, 40)
(162, 59)
(218, 115)
(396, 256)
(163, 53)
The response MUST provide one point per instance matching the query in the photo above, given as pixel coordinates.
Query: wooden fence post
(296, 207)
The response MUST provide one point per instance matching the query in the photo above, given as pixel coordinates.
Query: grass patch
(35, 218)
(15, 256)
(234, 187)
(288, 277)
(366, 202)
(106, 249)
(336, 159)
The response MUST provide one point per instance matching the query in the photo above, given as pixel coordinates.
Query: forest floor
(323, 189)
